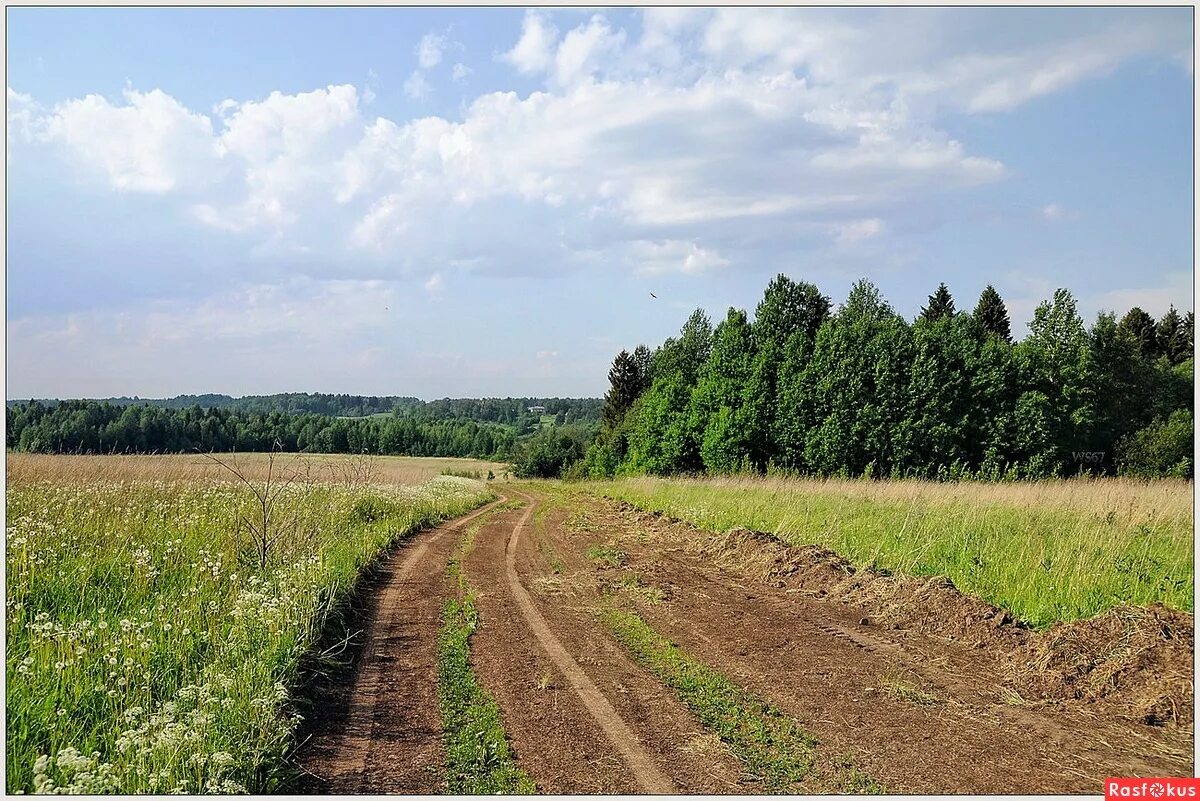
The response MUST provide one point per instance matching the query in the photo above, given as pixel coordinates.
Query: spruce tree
(940, 306)
(991, 314)
(624, 387)
(1172, 337)
(1140, 327)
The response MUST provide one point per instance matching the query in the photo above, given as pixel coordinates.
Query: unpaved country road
(916, 714)
(385, 735)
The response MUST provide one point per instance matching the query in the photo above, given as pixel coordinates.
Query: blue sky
(464, 202)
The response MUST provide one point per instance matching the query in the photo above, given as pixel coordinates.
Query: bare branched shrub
(355, 472)
(274, 530)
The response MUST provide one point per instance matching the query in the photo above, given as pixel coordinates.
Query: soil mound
(1134, 661)
(1137, 658)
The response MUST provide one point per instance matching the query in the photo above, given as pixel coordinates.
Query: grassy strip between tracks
(479, 759)
(770, 745)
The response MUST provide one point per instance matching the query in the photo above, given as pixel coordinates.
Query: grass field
(150, 646)
(1047, 551)
(335, 467)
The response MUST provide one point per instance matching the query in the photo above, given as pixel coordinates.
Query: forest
(494, 410)
(861, 391)
(81, 426)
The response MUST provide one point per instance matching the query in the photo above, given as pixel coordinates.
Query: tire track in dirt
(387, 738)
(819, 662)
(613, 725)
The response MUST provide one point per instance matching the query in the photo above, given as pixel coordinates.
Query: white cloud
(584, 48)
(460, 72)
(434, 285)
(534, 51)
(546, 354)
(429, 50)
(713, 121)
(859, 230)
(23, 117)
(1056, 211)
(674, 256)
(151, 144)
(417, 87)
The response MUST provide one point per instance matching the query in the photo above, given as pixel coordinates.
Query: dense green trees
(549, 452)
(99, 427)
(510, 411)
(865, 392)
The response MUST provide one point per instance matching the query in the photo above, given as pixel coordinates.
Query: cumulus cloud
(534, 50)
(584, 49)
(674, 256)
(459, 72)
(429, 50)
(151, 143)
(23, 117)
(660, 149)
(416, 87)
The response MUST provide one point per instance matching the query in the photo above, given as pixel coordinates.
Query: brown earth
(924, 689)
(1131, 661)
(380, 731)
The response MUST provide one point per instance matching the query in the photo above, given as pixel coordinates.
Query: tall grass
(146, 654)
(1047, 551)
(409, 470)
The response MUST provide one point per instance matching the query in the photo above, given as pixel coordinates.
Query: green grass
(479, 760)
(472, 474)
(147, 654)
(1046, 551)
(607, 555)
(772, 747)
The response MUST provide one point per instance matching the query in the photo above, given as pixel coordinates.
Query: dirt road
(905, 710)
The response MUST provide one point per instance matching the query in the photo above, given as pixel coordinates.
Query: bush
(550, 451)
(1163, 448)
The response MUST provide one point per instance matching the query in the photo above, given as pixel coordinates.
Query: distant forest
(484, 428)
(862, 391)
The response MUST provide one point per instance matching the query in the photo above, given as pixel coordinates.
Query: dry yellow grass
(407, 470)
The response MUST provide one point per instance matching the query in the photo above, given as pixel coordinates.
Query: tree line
(510, 411)
(861, 391)
(83, 426)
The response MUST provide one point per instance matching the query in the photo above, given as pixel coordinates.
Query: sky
(467, 202)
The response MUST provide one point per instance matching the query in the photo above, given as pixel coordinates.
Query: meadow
(335, 467)
(154, 639)
(1047, 551)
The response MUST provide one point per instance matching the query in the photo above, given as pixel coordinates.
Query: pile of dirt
(1137, 658)
(1136, 662)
